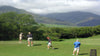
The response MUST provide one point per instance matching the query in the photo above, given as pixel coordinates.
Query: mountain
(45, 20)
(68, 18)
(4, 9)
(38, 18)
(77, 17)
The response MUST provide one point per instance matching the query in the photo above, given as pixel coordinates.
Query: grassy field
(60, 26)
(62, 48)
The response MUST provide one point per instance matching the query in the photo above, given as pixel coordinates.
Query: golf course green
(61, 48)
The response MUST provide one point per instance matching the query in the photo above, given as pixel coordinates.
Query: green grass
(60, 26)
(62, 48)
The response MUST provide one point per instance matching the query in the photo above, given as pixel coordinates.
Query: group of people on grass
(30, 42)
(29, 39)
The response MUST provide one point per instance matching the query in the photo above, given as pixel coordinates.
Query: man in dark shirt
(30, 37)
(49, 43)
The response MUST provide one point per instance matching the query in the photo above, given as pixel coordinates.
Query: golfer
(20, 36)
(30, 38)
(76, 47)
(49, 43)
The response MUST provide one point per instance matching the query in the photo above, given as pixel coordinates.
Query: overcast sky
(54, 6)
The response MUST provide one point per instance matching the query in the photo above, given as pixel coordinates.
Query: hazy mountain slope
(4, 9)
(38, 18)
(93, 22)
(46, 20)
(78, 18)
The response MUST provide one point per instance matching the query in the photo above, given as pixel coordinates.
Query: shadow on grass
(56, 48)
(61, 40)
(83, 54)
(37, 44)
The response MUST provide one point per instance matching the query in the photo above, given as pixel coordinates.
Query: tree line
(57, 33)
(12, 23)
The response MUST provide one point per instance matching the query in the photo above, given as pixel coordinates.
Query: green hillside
(77, 17)
(4, 9)
(38, 18)
(45, 20)
(59, 26)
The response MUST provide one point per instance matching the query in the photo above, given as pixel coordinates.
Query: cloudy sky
(54, 6)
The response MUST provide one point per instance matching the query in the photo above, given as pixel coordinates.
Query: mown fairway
(62, 48)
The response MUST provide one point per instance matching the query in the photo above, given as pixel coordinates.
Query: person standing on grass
(76, 47)
(30, 38)
(20, 37)
(49, 43)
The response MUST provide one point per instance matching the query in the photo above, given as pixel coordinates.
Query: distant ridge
(79, 18)
(76, 18)
(38, 18)
(4, 9)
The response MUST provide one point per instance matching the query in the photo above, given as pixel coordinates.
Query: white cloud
(15, 1)
(53, 6)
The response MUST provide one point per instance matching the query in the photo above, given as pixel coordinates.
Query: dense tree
(11, 24)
